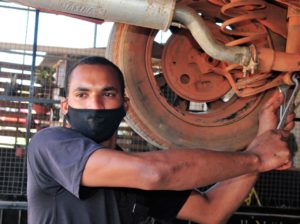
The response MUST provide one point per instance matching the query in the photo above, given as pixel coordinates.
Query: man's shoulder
(55, 131)
(52, 134)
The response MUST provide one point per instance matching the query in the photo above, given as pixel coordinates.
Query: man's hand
(270, 145)
(272, 150)
(268, 116)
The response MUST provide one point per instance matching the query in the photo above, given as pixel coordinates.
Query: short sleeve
(57, 157)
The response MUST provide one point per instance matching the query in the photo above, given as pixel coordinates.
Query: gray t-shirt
(56, 159)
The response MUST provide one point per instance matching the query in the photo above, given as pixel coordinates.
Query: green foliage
(44, 75)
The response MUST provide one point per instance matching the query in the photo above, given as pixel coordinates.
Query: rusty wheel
(176, 98)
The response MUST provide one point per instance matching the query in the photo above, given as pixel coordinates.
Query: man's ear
(126, 103)
(64, 105)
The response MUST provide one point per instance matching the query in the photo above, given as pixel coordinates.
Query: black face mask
(98, 125)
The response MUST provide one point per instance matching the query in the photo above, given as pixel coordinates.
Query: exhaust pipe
(233, 54)
(151, 14)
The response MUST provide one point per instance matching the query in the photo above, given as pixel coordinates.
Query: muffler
(156, 14)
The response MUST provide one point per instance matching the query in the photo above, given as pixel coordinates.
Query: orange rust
(287, 79)
(188, 72)
(279, 61)
(184, 69)
(169, 123)
(275, 19)
(291, 3)
(293, 43)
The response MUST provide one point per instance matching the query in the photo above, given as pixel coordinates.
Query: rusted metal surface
(183, 67)
(293, 25)
(201, 33)
(291, 3)
(158, 14)
(154, 14)
(271, 60)
(167, 120)
(226, 71)
(189, 71)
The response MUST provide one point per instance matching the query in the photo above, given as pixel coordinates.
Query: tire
(163, 118)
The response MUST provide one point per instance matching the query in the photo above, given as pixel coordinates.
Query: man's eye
(80, 95)
(109, 94)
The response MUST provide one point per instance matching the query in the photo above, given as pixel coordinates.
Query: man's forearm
(217, 204)
(174, 169)
(231, 193)
(191, 168)
(181, 169)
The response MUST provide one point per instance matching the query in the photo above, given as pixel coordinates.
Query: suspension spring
(244, 25)
(242, 12)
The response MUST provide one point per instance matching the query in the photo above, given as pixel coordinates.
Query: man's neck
(110, 143)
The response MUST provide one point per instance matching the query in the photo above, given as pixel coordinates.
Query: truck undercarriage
(204, 85)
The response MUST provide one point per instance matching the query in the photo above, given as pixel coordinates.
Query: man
(79, 174)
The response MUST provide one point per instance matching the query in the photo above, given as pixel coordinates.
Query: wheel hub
(188, 70)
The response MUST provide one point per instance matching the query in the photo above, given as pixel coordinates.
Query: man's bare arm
(179, 169)
(218, 203)
(175, 169)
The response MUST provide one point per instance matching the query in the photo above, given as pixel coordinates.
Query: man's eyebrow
(82, 89)
(106, 88)
(110, 88)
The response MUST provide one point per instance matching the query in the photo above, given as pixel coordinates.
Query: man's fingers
(272, 149)
(283, 155)
(289, 126)
(274, 102)
(284, 134)
(285, 166)
(268, 117)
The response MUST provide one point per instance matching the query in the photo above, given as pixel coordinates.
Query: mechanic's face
(94, 87)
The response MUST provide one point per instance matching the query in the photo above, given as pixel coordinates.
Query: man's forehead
(91, 76)
(94, 71)
(94, 68)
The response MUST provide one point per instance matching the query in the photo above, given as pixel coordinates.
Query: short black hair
(94, 60)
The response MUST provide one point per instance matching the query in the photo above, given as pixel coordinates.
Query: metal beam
(54, 50)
